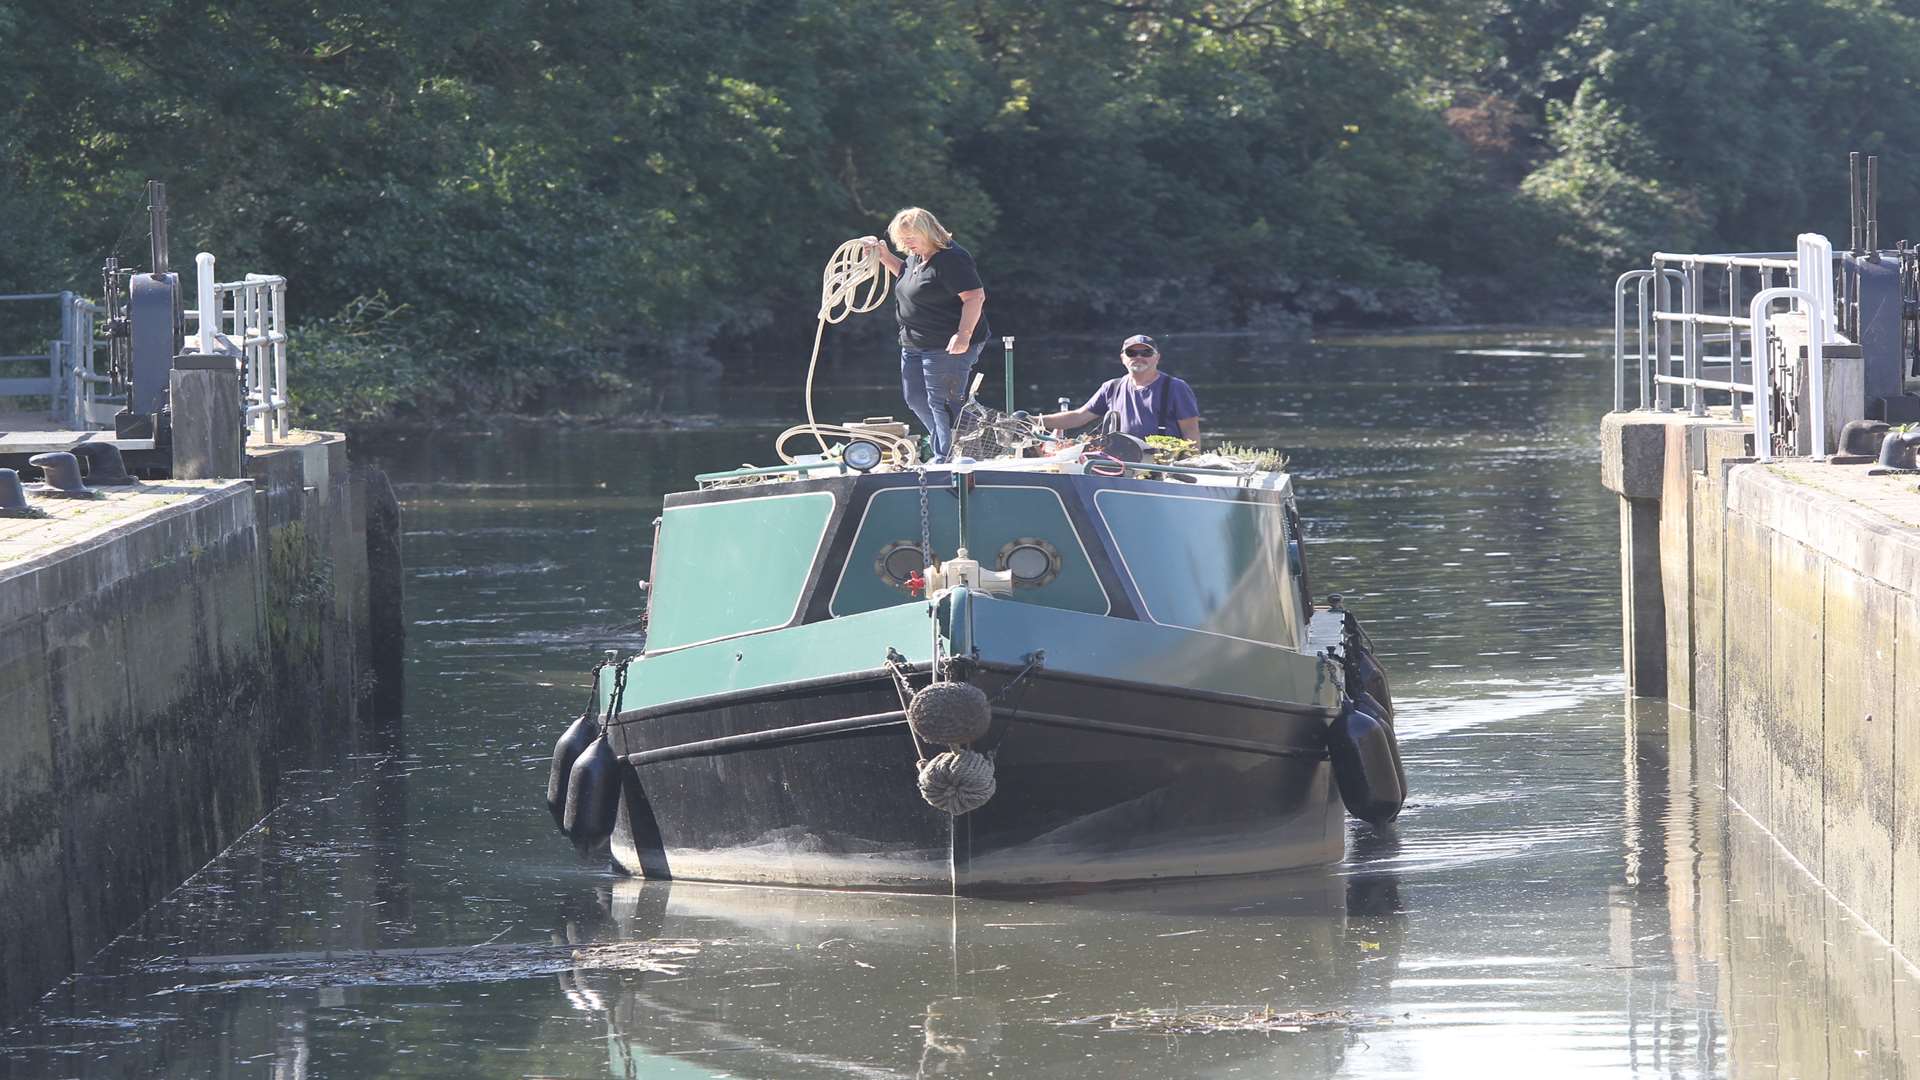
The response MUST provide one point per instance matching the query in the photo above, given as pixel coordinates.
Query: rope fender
(957, 781)
(950, 713)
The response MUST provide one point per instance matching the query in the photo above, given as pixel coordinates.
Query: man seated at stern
(1145, 401)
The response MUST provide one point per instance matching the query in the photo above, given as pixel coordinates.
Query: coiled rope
(957, 781)
(854, 283)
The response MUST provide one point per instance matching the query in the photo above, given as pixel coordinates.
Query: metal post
(1662, 338)
(1690, 337)
(1733, 338)
(281, 426)
(1856, 232)
(157, 222)
(247, 301)
(1641, 293)
(209, 301)
(53, 378)
(1007, 344)
(1873, 202)
(64, 404)
(1763, 376)
(1620, 337)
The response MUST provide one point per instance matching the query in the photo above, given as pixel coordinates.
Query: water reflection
(1566, 893)
(1782, 977)
(796, 983)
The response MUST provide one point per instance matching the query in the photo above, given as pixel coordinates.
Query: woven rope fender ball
(950, 713)
(958, 781)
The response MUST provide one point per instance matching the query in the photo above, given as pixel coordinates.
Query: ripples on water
(1560, 897)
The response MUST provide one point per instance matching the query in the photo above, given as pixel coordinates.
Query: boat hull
(1099, 780)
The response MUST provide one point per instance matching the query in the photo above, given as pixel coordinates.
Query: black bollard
(13, 497)
(105, 466)
(61, 472)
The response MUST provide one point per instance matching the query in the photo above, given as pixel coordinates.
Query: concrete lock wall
(155, 677)
(1788, 603)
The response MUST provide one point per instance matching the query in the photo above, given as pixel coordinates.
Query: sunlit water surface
(1559, 898)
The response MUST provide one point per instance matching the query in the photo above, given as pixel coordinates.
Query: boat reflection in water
(796, 983)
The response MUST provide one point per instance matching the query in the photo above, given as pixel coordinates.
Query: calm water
(1560, 898)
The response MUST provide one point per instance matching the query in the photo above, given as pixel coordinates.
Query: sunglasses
(1140, 350)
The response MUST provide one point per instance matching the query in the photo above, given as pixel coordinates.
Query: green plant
(1168, 449)
(1268, 460)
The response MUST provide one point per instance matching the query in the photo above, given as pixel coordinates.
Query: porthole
(899, 561)
(1032, 561)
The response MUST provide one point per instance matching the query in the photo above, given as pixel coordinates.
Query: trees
(483, 198)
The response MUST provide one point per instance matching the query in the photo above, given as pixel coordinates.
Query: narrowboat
(1050, 669)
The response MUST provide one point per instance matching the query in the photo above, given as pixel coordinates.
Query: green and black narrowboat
(996, 676)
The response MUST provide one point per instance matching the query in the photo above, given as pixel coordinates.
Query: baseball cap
(1140, 339)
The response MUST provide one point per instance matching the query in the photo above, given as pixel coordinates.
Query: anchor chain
(926, 526)
(618, 697)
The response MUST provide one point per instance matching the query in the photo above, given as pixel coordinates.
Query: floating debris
(634, 956)
(486, 962)
(1212, 1019)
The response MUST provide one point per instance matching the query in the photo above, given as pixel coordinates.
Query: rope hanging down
(854, 283)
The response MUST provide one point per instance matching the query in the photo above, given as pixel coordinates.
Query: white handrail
(1814, 253)
(1809, 272)
(1763, 378)
(248, 318)
(1620, 338)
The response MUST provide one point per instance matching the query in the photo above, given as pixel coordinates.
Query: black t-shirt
(927, 298)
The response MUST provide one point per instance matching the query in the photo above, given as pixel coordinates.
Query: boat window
(1023, 528)
(899, 561)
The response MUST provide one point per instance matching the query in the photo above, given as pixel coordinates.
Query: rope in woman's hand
(854, 266)
(855, 282)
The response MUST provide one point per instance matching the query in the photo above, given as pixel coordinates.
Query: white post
(258, 375)
(280, 358)
(1814, 253)
(66, 403)
(209, 316)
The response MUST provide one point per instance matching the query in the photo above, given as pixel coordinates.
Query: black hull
(1097, 782)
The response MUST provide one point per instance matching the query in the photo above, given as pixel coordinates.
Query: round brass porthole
(899, 561)
(1032, 561)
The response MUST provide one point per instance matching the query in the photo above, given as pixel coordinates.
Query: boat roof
(1204, 475)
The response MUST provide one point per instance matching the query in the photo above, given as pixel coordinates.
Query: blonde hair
(920, 223)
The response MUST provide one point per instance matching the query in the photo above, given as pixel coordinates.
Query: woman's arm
(971, 302)
(888, 259)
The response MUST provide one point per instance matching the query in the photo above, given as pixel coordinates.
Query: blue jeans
(934, 382)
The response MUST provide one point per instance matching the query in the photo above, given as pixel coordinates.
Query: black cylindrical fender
(1366, 703)
(1361, 747)
(1368, 677)
(566, 750)
(593, 795)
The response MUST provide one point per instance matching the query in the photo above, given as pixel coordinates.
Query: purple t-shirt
(1144, 409)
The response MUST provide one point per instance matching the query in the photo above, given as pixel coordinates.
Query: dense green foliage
(481, 198)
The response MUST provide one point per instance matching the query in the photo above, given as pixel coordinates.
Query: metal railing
(71, 385)
(1809, 281)
(249, 320)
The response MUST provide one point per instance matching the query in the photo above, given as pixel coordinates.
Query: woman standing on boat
(939, 302)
